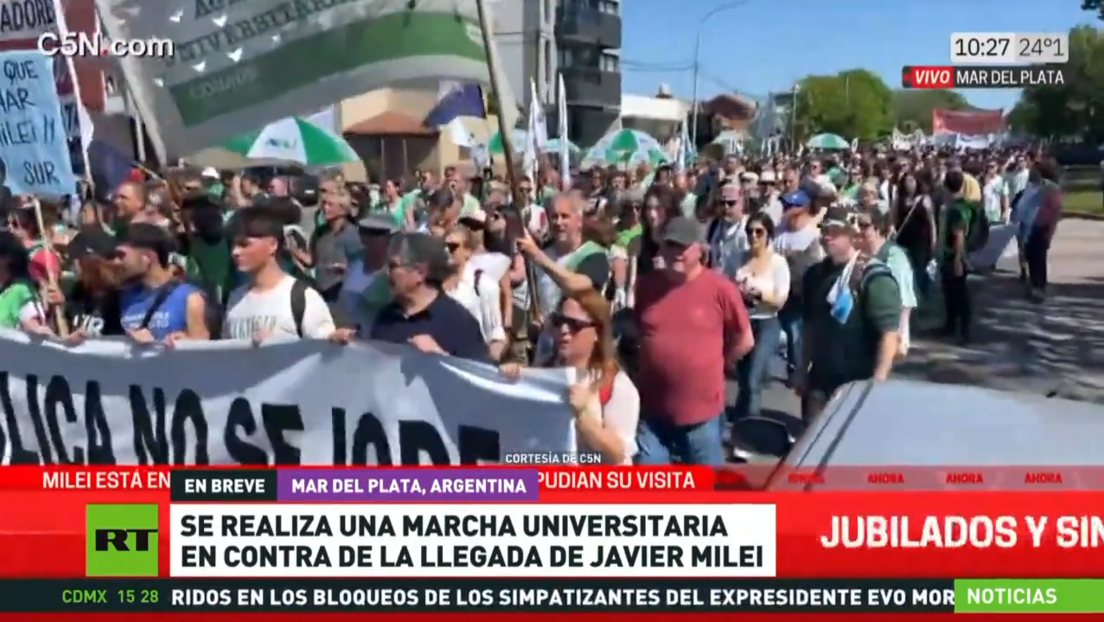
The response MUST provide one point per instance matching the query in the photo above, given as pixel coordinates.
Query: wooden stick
(508, 152)
(48, 244)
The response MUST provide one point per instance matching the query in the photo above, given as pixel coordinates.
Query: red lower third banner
(881, 533)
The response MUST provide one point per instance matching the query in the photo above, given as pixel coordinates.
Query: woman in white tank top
(764, 282)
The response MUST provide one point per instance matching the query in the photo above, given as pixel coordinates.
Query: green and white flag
(240, 65)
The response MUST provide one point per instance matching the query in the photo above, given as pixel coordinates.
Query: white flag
(565, 144)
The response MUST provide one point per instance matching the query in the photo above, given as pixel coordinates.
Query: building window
(609, 7)
(566, 57)
(610, 63)
(575, 125)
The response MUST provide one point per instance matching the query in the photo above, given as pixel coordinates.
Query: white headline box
(290, 540)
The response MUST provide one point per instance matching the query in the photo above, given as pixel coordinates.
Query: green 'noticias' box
(120, 540)
(1029, 595)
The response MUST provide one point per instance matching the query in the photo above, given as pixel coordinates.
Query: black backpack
(299, 304)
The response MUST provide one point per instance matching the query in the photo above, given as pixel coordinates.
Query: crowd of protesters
(655, 286)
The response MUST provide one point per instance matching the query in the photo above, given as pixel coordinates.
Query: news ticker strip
(553, 595)
(458, 484)
(980, 77)
(488, 595)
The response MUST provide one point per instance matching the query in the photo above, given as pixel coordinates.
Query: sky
(760, 46)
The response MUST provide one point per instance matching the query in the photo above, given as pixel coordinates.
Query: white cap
(211, 172)
(767, 177)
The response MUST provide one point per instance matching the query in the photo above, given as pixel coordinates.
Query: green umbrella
(623, 146)
(517, 142)
(294, 140)
(657, 157)
(827, 141)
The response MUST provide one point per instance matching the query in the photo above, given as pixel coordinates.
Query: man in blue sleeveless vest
(154, 306)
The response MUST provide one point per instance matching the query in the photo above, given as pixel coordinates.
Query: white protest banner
(112, 402)
(999, 246)
(239, 65)
(33, 145)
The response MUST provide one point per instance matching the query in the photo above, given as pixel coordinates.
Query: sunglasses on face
(573, 324)
(730, 202)
(756, 232)
(525, 189)
(452, 246)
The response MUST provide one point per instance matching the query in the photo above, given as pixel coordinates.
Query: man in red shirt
(692, 325)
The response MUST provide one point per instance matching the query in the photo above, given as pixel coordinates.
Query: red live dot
(928, 77)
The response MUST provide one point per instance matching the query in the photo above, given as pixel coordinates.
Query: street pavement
(1055, 348)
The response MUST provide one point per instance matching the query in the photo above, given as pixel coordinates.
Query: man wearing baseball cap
(798, 240)
(851, 316)
(770, 198)
(692, 326)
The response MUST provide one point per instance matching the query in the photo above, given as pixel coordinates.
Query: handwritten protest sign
(80, 81)
(33, 144)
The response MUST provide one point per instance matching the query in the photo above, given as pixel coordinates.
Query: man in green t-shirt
(956, 216)
(851, 314)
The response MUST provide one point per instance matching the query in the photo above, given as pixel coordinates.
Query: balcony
(590, 86)
(586, 25)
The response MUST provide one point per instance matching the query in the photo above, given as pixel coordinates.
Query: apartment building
(538, 39)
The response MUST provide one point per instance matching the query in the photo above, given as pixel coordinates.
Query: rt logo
(120, 540)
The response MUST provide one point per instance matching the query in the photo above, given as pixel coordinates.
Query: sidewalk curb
(1083, 216)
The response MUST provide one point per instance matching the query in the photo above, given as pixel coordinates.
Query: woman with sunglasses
(603, 399)
(764, 283)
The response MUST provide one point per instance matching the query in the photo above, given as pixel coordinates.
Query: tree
(1023, 118)
(854, 104)
(912, 109)
(1074, 109)
(1096, 6)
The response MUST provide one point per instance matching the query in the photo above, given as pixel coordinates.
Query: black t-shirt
(445, 320)
(97, 316)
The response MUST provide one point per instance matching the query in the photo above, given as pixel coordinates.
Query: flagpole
(507, 149)
(82, 114)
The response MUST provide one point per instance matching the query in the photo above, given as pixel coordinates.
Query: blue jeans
(660, 442)
(751, 371)
(790, 318)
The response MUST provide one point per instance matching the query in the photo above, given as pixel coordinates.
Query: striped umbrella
(293, 140)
